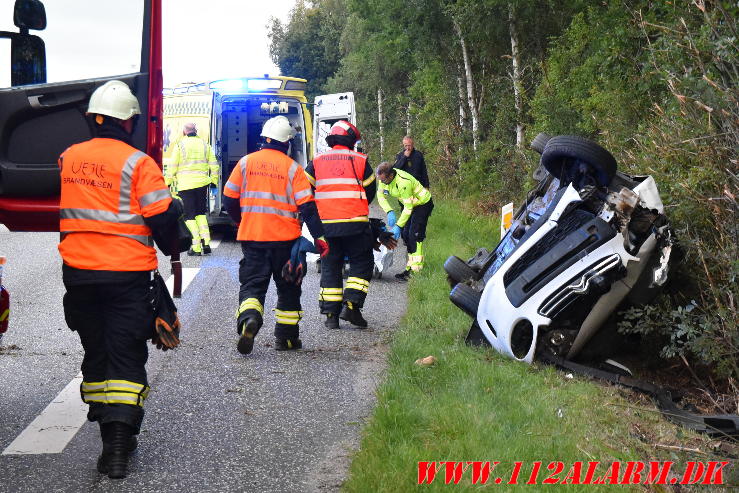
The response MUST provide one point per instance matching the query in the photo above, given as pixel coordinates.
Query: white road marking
(214, 243)
(52, 430)
(188, 274)
(55, 427)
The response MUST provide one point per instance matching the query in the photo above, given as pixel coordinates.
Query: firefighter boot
(206, 249)
(105, 434)
(249, 328)
(196, 249)
(204, 231)
(288, 344)
(119, 448)
(332, 321)
(353, 315)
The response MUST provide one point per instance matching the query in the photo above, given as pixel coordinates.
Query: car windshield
(536, 206)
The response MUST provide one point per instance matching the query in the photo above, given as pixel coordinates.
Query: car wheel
(466, 299)
(458, 270)
(561, 151)
(539, 142)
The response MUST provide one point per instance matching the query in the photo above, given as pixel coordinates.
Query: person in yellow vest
(113, 204)
(192, 169)
(417, 205)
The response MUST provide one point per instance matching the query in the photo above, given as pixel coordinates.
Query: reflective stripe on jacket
(340, 194)
(407, 190)
(193, 164)
(108, 187)
(270, 186)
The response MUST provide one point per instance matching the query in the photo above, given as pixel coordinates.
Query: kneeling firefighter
(344, 185)
(113, 203)
(264, 194)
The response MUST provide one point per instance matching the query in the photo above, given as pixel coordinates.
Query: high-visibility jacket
(193, 164)
(340, 194)
(108, 187)
(407, 190)
(270, 186)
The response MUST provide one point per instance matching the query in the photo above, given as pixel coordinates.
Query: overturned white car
(587, 239)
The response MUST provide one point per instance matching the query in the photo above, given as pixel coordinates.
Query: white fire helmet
(114, 98)
(278, 128)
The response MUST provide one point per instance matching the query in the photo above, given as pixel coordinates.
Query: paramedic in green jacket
(417, 205)
(192, 169)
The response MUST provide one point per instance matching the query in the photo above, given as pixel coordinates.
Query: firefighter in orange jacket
(264, 194)
(113, 197)
(344, 185)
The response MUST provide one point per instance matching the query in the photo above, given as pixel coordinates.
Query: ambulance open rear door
(327, 110)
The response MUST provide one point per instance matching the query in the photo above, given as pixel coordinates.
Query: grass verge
(475, 405)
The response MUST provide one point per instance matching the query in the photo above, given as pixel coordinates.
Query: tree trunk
(470, 85)
(408, 119)
(379, 119)
(460, 89)
(517, 83)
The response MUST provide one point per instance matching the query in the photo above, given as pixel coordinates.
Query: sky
(228, 38)
(201, 40)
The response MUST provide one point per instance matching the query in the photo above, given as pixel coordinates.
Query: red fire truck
(57, 55)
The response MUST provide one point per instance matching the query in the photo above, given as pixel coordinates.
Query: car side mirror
(27, 60)
(29, 14)
(27, 51)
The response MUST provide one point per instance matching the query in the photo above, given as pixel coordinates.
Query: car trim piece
(578, 286)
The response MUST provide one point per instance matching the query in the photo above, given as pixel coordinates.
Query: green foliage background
(653, 81)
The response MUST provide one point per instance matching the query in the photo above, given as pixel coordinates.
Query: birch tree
(516, 74)
(380, 122)
(474, 114)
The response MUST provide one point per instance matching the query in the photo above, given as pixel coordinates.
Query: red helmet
(343, 133)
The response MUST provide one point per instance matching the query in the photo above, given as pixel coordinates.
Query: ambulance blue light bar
(235, 85)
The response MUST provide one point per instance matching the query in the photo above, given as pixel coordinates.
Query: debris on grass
(427, 361)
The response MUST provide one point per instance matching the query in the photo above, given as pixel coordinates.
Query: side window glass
(83, 39)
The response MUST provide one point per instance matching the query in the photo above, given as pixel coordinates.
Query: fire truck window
(84, 39)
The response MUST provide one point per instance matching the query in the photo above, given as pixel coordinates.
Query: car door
(44, 93)
(327, 110)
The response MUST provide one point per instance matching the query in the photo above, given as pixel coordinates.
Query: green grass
(474, 404)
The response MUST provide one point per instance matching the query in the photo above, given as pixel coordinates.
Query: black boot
(105, 429)
(288, 344)
(119, 448)
(353, 315)
(102, 465)
(249, 329)
(332, 321)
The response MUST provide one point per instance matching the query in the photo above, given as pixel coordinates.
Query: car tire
(466, 299)
(540, 142)
(458, 270)
(561, 150)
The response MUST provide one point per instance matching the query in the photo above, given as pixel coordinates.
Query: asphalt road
(215, 420)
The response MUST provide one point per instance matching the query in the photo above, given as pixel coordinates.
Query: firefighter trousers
(358, 249)
(113, 322)
(255, 269)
